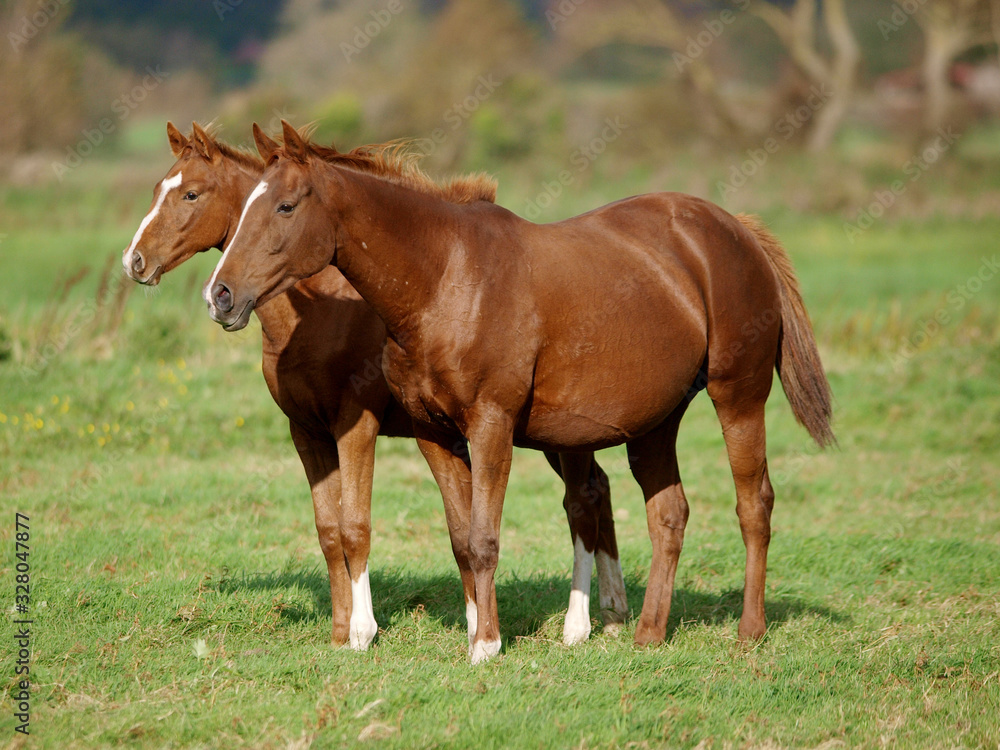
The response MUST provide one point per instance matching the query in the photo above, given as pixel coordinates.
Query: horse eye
(286, 208)
(190, 195)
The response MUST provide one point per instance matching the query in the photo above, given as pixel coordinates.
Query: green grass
(179, 595)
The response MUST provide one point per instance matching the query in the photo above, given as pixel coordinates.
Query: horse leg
(743, 427)
(356, 430)
(490, 431)
(581, 511)
(588, 508)
(447, 460)
(322, 466)
(653, 460)
(610, 582)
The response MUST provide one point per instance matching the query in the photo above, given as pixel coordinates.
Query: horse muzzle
(134, 265)
(225, 310)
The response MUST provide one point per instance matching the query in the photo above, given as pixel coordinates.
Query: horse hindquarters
(653, 461)
(743, 428)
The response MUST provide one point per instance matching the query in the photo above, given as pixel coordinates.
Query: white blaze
(165, 187)
(257, 192)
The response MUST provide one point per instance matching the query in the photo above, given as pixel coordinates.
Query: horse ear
(294, 145)
(177, 139)
(203, 142)
(266, 146)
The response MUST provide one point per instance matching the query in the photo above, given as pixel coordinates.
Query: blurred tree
(463, 78)
(462, 82)
(654, 23)
(219, 37)
(52, 85)
(950, 28)
(834, 74)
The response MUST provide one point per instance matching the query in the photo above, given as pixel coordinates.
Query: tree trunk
(840, 79)
(835, 77)
(942, 44)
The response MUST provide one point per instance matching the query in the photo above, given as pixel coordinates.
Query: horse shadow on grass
(528, 605)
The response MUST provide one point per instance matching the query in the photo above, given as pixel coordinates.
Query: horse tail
(797, 361)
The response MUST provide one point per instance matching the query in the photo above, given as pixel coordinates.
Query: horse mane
(397, 162)
(243, 156)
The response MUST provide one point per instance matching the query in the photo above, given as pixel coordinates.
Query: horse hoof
(612, 629)
(575, 630)
(752, 633)
(362, 635)
(573, 636)
(648, 636)
(483, 651)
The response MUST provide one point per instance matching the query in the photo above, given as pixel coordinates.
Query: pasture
(179, 596)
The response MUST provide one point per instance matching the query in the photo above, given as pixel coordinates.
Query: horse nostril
(138, 264)
(223, 297)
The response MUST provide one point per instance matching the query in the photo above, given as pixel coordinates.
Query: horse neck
(277, 319)
(395, 248)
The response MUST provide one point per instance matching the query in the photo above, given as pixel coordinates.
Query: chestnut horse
(577, 335)
(322, 352)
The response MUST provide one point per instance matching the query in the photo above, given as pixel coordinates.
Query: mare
(571, 336)
(322, 354)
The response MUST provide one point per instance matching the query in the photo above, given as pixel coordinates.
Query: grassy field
(177, 588)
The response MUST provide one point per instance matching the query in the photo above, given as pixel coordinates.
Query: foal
(589, 332)
(322, 352)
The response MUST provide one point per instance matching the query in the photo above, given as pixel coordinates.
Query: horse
(571, 336)
(322, 350)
